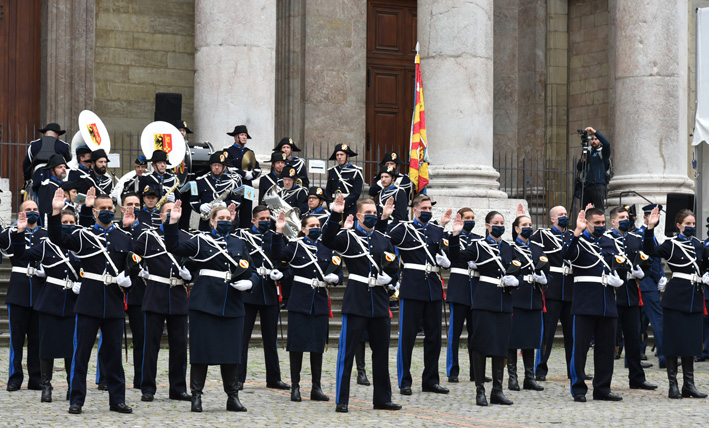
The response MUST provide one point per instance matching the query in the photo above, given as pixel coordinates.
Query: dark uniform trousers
(136, 321)
(269, 326)
(177, 341)
(354, 327)
(629, 323)
(459, 314)
(85, 332)
(411, 312)
(602, 329)
(24, 321)
(556, 310)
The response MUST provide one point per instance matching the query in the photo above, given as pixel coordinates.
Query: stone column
(650, 148)
(235, 71)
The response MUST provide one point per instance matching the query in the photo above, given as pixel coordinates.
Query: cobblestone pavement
(266, 407)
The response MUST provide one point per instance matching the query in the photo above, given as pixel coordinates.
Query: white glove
(442, 260)
(144, 273)
(472, 265)
(510, 281)
(383, 278)
(39, 272)
(205, 208)
(662, 284)
(171, 197)
(705, 278)
(636, 272)
(249, 175)
(330, 278)
(242, 284)
(394, 287)
(185, 273)
(123, 280)
(275, 274)
(76, 288)
(540, 279)
(614, 280)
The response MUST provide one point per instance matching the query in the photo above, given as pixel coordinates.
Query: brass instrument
(276, 205)
(169, 192)
(218, 199)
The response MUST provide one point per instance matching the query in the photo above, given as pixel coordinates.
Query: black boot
(512, 382)
(478, 361)
(528, 360)
(46, 366)
(316, 393)
(198, 374)
(688, 388)
(230, 378)
(296, 363)
(498, 373)
(672, 376)
(361, 371)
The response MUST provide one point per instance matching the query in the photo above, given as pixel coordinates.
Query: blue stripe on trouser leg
(342, 348)
(12, 349)
(573, 358)
(399, 362)
(449, 349)
(73, 356)
(98, 358)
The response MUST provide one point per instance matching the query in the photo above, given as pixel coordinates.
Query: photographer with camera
(594, 166)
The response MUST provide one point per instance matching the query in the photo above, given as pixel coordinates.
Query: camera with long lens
(585, 140)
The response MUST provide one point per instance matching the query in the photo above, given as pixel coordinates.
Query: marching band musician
(216, 307)
(492, 302)
(160, 176)
(183, 175)
(344, 178)
(212, 185)
(287, 146)
(133, 185)
(103, 250)
(165, 301)
(317, 204)
(273, 178)
(56, 171)
(387, 177)
(70, 194)
(236, 154)
(365, 305)
(263, 298)
(309, 301)
(25, 284)
(391, 159)
(527, 305)
(682, 301)
(421, 291)
(149, 214)
(557, 296)
(292, 193)
(83, 157)
(97, 176)
(55, 304)
(39, 153)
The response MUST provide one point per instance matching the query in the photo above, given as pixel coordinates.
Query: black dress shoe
(388, 406)
(452, 379)
(147, 397)
(233, 404)
(75, 409)
(580, 399)
(643, 385)
(608, 397)
(13, 387)
(405, 390)
(103, 386)
(181, 396)
(278, 385)
(341, 408)
(120, 408)
(645, 365)
(438, 389)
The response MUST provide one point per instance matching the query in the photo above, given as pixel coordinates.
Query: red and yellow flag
(418, 165)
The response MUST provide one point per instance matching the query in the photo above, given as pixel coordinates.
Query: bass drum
(196, 162)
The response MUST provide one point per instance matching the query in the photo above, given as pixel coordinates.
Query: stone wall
(142, 47)
(557, 84)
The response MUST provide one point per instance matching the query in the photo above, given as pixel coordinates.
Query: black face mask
(263, 226)
(68, 228)
(468, 225)
(370, 220)
(425, 216)
(223, 227)
(497, 231)
(526, 232)
(563, 222)
(106, 216)
(32, 217)
(314, 233)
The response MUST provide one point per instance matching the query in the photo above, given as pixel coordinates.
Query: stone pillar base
(5, 203)
(651, 186)
(471, 181)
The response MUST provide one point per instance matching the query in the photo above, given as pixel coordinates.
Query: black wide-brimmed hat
(98, 154)
(69, 185)
(289, 172)
(277, 157)
(183, 125)
(319, 192)
(54, 161)
(286, 141)
(392, 157)
(240, 129)
(141, 160)
(387, 170)
(158, 156)
(342, 148)
(82, 150)
(53, 127)
(152, 189)
(218, 157)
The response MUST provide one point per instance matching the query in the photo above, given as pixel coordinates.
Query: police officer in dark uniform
(557, 296)
(216, 316)
(56, 173)
(148, 214)
(103, 250)
(212, 185)
(705, 347)
(421, 292)
(40, 150)
(263, 298)
(237, 151)
(293, 193)
(83, 158)
(160, 176)
(21, 298)
(55, 304)
(598, 162)
(593, 304)
(344, 178)
(287, 146)
(317, 204)
(387, 177)
(628, 244)
(273, 178)
(403, 181)
(365, 305)
(165, 301)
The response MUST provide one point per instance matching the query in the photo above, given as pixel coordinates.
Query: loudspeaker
(168, 107)
(675, 203)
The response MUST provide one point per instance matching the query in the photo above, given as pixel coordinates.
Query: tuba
(276, 205)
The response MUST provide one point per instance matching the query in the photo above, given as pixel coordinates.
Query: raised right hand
(654, 218)
(21, 221)
(388, 208)
(281, 222)
(90, 197)
(176, 212)
(58, 202)
(339, 205)
(580, 223)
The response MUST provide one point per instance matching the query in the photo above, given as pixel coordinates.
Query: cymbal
(248, 162)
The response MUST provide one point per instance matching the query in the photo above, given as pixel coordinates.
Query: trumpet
(169, 192)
